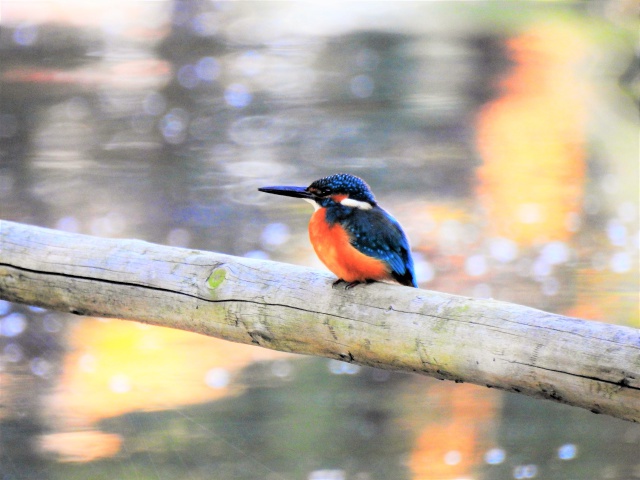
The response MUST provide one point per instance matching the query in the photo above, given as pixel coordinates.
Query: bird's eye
(319, 192)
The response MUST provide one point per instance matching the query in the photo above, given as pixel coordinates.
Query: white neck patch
(350, 202)
(312, 202)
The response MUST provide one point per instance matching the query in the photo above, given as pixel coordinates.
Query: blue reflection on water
(237, 95)
(25, 34)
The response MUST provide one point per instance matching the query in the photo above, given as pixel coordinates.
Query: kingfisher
(351, 234)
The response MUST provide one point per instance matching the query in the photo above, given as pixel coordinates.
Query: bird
(351, 234)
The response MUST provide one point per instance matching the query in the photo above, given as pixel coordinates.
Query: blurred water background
(502, 135)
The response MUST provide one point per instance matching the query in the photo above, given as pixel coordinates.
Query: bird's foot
(337, 282)
(349, 285)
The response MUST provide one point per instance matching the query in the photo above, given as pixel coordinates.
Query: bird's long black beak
(297, 192)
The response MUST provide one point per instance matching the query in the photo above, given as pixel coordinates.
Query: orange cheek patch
(334, 250)
(338, 198)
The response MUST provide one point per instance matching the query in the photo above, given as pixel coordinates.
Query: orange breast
(334, 250)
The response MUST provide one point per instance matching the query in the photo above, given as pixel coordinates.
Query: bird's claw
(347, 286)
(336, 283)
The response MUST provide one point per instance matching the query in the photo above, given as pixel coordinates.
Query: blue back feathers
(377, 234)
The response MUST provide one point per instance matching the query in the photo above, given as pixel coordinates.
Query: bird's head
(341, 188)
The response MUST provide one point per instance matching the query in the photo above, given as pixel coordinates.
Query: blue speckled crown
(351, 185)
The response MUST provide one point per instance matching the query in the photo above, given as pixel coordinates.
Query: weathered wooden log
(283, 307)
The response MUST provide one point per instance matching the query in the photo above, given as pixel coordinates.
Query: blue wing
(377, 234)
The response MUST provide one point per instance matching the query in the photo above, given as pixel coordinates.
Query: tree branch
(283, 307)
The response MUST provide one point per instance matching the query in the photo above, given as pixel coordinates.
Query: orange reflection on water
(606, 296)
(452, 448)
(531, 139)
(81, 446)
(114, 367)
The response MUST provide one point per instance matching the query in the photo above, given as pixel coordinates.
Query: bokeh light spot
(342, 368)
(188, 77)
(217, 378)
(5, 307)
(257, 254)
(282, 368)
(237, 95)
(40, 367)
(25, 34)
(205, 24)
(68, 224)
(541, 268)
(12, 353)
(251, 63)
(476, 265)
(452, 457)
(555, 253)
(567, 451)
(530, 213)
(87, 363)
(620, 262)
(207, 69)
(13, 325)
(525, 471)
(327, 475)
(174, 125)
(503, 249)
(424, 270)
(617, 233)
(550, 286)
(495, 456)
(111, 224)
(120, 383)
(627, 211)
(275, 234)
